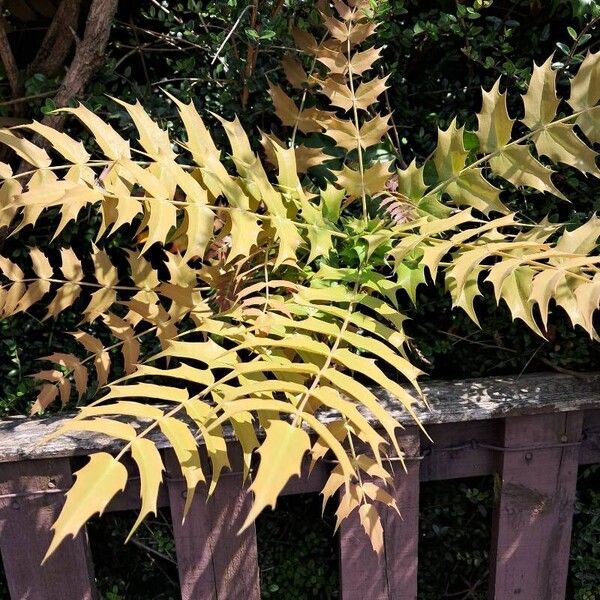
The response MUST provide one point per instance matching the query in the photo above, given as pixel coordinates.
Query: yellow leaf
(346, 136)
(516, 292)
(289, 240)
(95, 485)
(34, 293)
(5, 171)
(281, 457)
(337, 62)
(582, 239)
(369, 519)
(150, 466)
(472, 189)
(517, 165)
(47, 395)
(186, 450)
(9, 190)
(588, 300)
(560, 143)
(331, 397)
(29, 152)
(371, 181)
(465, 297)
(61, 142)
(80, 373)
(147, 390)
(111, 143)
(41, 265)
(244, 232)
(355, 33)
(540, 100)
(410, 181)
(495, 126)
(243, 427)
(101, 359)
(207, 156)
(369, 369)
(349, 501)
(349, 386)
(334, 482)
(585, 94)
(271, 407)
(10, 270)
(153, 139)
(450, 154)
(198, 225)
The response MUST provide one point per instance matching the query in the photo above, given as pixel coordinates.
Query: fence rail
(532, 432)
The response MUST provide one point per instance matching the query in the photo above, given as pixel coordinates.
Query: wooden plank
(589, 452)
(391, 575)
(214, 562)
(25, 519)
(533, 515)
(454, 451)
(450, 402)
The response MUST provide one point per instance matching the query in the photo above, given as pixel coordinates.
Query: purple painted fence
(532, 433)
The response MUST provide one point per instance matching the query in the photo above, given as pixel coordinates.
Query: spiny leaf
(29, 152)
(540, 100)
(585, 94)
(495, 125)
(186, 450)
(110, 142)
(61, 142)
(150, 466)
(371, 522)
(95, 485)
(366, 94)
(281, 456)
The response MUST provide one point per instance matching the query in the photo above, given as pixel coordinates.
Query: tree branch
(89, 54)
(57, 42)
(8, 60)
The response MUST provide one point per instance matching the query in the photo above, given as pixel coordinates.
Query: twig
(575, 44)
(482, 344)
(166, 11)
(229, 34)
(24, 99)
(251, 55)
(560, 369)
(394, 129)
(142, 60)
(151, 550)
(530, 359)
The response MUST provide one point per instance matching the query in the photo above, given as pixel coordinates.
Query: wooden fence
(533, 432)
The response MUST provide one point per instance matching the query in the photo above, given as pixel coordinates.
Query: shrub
(276, 296)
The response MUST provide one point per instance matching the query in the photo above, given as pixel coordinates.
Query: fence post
(32, 494)
(393, 574)
(214, 562)
(534, 509)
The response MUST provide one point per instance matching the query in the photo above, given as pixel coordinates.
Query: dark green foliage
(455, 529)
(146, 565)
(297, 551)
(585, 553)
